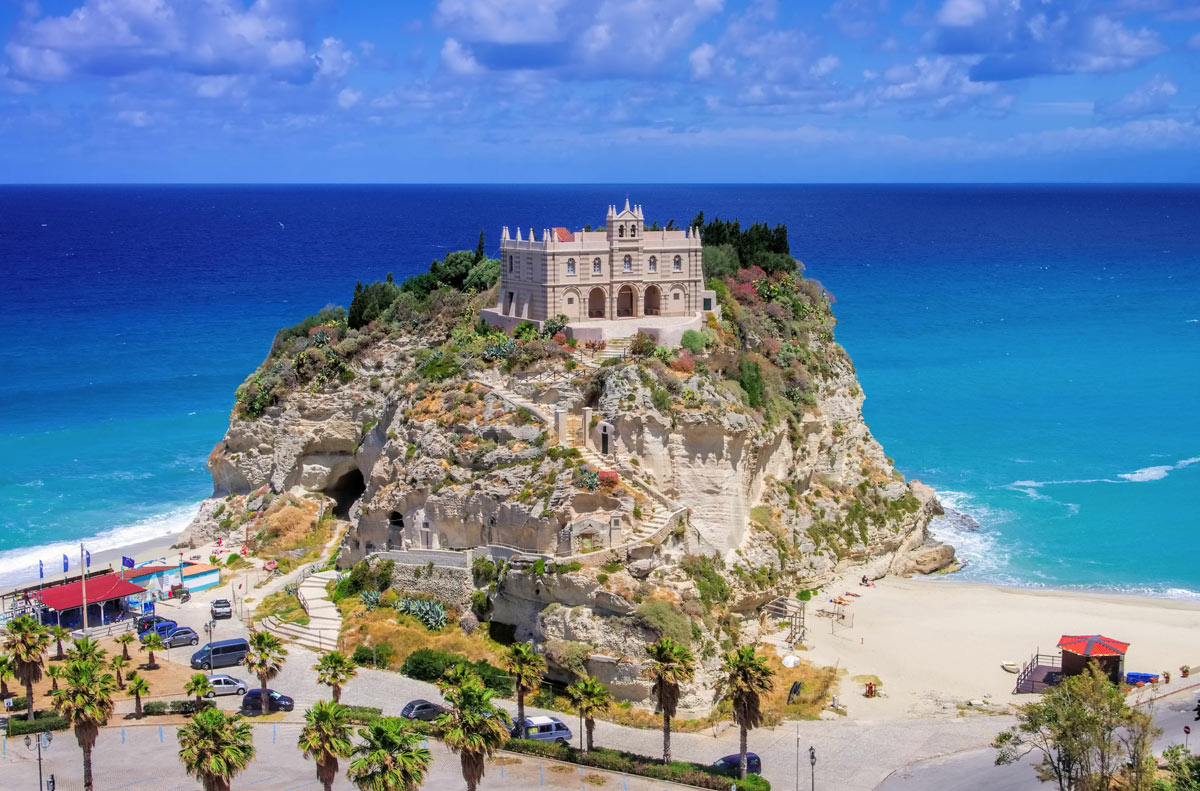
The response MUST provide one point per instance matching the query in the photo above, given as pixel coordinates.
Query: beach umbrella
(1092, 645)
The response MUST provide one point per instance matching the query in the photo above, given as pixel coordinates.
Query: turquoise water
(1031, 352)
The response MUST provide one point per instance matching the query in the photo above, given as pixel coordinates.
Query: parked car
(225, 685)
(162, 628)
(221, 653)
(145, 622)
(182, 635)
(421, 710)
(545, 729)
(731, 764)
(252, 701)
(221, 608)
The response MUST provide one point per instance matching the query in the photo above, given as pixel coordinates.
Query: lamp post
(209, 628)
(812, 762)
(29, 745)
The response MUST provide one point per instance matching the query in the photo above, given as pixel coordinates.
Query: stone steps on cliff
(321, 639)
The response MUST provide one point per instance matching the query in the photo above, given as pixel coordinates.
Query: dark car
(252, 701)
(147, 621)
(221, 608)
(221, 653)
(731, 764)
(182, 635)
(162, 628)
(421, 710)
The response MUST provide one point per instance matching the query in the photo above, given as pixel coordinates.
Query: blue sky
(604, 91)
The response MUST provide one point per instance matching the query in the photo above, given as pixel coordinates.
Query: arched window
(678, 265)
(570, 266)
(510, 263)
(653, 267)
(596, 267)
(627, 266)
(632, 231)
(621, 232)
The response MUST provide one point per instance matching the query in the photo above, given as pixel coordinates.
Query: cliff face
(731, 481)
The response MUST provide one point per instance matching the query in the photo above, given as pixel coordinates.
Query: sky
(602, 91)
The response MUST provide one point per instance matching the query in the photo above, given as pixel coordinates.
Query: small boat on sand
(1011, 667)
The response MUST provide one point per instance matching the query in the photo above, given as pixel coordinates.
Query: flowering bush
(608, 478)
(560, 338)
(684, 363)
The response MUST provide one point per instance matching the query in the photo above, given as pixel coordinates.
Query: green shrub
(588, 479)
(751, 381)
(551, 327)
(428, 664)
(666, 619)
(567, 568)
(480, 602)
(661, 399)
(42, 721)
(693, 341)
(642, 345)
(483, 571)
(155, 708)
(378, 655)
(363, 715)
(707, 572)
(431, 614)
(441, 365)
(525, 331)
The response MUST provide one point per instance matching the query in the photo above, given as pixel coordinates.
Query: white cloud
(1148, 99)
(135, 118)
(503, 21)
(961, 13)
(701, 59)
(459, 59)
(334, 59)
(824, 66)
(347, 98)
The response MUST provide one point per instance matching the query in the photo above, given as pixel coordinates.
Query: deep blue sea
(1031, 352)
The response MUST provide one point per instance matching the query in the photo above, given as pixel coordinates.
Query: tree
(59, 633)
(197, 686)
(388, 757)
(1076, 727)
(334, 670)
(671, 664)
(118, 664)
(1138, 740)
(479, 250)
(6, 674)
(471, 726)
(526, 667)
(151, 643)
(590, 698)
(85, 649)
(136, 687)
(326, 738)
(125, 638)
(265, 659)
(54, 672)
(26, 642)
(85, 702)
(743, 680)
(214, 747)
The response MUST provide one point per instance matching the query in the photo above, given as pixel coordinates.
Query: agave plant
(431, 614)
(370, 598)
(290, 590)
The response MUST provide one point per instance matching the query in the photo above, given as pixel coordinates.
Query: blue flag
(127, 562)
(41, 570)
(66, 564)
(88, 556)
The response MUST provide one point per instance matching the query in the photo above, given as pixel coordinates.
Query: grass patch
(405, 635)
(284, 606)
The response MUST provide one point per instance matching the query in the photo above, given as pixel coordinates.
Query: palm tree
(197, 686)
(388, 758)
(334, 670)
(118, 665)
(151, 643)
(471, 726)
(58, 633)
(744, 678)
(6, 673)
(590, 698)
(85, 701)
(135, 687)
(85, 649)
(326, 738)
(125, 638)
(26, 642)
(265, 660)
(671, 664)
(214, 747)
(54, 672)
(527, 667)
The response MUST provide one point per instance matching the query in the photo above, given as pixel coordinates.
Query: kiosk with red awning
(1080, 650)
(105, 599)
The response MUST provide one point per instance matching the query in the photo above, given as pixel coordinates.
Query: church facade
(621, 273)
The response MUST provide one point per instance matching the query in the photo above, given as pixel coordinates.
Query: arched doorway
(653, 301)
(596, 302)
(626, 299)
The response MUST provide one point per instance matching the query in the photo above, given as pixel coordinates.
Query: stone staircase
(614, 348)
(324, 618)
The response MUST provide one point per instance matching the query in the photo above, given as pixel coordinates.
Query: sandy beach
(938, 643)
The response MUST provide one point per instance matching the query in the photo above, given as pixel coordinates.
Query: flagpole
(83, 577)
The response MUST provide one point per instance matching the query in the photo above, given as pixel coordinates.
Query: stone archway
(595, 306)
(572, 305)
(626, 302)
(653, 301)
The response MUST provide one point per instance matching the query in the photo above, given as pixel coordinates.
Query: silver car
(222, 684)
(183, 635)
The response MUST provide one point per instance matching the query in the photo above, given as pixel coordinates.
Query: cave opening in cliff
(345, 491)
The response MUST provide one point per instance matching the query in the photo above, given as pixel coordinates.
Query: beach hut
(200, 576)
(1078, 651)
